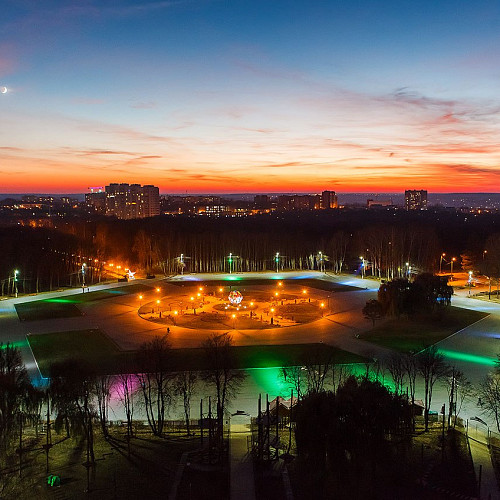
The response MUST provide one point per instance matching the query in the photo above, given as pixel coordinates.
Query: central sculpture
(235, 298)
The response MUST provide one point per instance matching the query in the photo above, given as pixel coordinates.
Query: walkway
(481, 456)
(241, 464)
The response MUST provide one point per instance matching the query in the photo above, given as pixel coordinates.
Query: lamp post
(230, 262)
(16, 274)
(83, 277)
(470, 282)
(321, 267)
(140, 301)
(441, 262)
(277, 261)
(451, 268)
(362, 267)
(322, 305)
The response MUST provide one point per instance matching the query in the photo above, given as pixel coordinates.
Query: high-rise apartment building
(329, 199)
(416, 199)
(127, 201)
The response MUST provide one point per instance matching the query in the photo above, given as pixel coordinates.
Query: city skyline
(209, 97)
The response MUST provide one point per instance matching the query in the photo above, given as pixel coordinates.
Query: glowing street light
(16, 274)
(158, 289)
(322, 305)
(470, 282)
(277, 260)
(84, 265)
(362, 267)
(443, 255)
(451, 268)
(230, 260)
(140, 301)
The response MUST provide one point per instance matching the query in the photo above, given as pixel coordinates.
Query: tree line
(390, 243)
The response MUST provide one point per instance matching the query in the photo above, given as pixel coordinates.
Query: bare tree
(295, 377)
(184, 384)
(154, 380)
(489, 396)
(102, 390)
(411, 370)
(125, 390)
(431, 367)
(221, 373)
(396, 367)
(317, 364)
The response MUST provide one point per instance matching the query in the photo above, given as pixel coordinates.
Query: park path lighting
(84, 266)
(230, 260)
(362, 267)
(140, 301)
(233, 316)
(16, 274)
(470, 282)
(451, 268)
(277, 261)
(322, 305)
(443, 255)
(484, 253)
(158, 289)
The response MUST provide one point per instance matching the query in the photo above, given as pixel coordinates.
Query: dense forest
(390, 244)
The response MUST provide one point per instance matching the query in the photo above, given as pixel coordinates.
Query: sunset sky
(250, 96)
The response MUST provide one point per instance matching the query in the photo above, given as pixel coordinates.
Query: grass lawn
(66, 306)
(110, 293)
(94, 347)
(47, 309)
(407, 335)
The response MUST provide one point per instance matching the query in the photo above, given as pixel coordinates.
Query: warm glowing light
(272, 309)
(454, 259)
(233, 316)
(118, 267)
(322, 304)
(176, 313)
(304, 291)
(279, 283)
(157, 289)
(221, 289)
(198, 294)
(140, 297)
(157, 301)
(251, 303)
(201, 288)
(276, 293)
(192, 298)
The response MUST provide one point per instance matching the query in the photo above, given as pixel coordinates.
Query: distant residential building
(125, 201)
(96, 199)
(328, 200)
(370, 203)
(261, 201)
(416, 199)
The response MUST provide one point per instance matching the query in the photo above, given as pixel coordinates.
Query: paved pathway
(242, 477)
(481, 457)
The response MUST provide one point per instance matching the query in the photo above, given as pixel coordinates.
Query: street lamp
(16, 274)
(321, 268)
(322, 305)
(140, 301)
(451, 268)
(230, 262)
(484, 252)
(470, 282)
(362, 267)
(277, 260)
(441, 262)
(83, 277)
